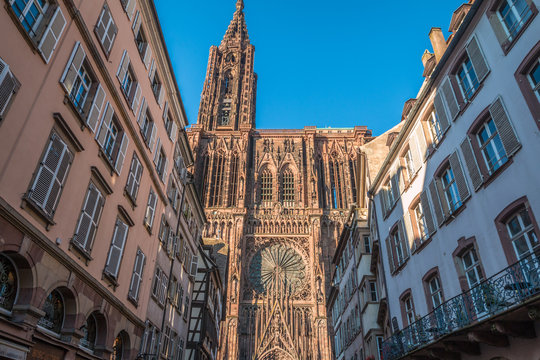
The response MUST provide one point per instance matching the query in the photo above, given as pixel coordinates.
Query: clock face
(277, 265)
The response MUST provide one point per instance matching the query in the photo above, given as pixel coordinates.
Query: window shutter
(422, 144)
(477, 58)
(404, 240)
(105, 124)
(395, 187)
(89, 219)
(450, 98)
(400, 178)
(136, 278)
(8, 85)
(161, 95)
(136, 99)
(390, 255)
(121, 154)
(407, 230)
(165, 169)
(123, 68)
(416, 153)
(95, 108)
(472, 165)
(504, 127)
(102, 24)
(112, 30)
(428, 215)
(435, 199)
(117, 248)
(165, 115)
(152, 136)
(164, 285)
(52, 34)
(73, 67)
(137, 23)
(156, 152)
(150, 209)
(133, 177)
(51, 176)
(441, 112)
(174, 131)
(461, 183)
(130, 8)
(142, 112)
(382, 198)
(152, 71)
(147, 58)
(194, 265)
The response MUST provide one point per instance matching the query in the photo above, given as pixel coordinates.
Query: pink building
(91, 192)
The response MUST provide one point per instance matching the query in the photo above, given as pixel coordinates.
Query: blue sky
(322, 63)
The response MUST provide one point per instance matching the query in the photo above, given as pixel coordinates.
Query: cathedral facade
(276, 202)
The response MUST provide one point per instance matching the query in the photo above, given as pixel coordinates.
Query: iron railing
(503, 291)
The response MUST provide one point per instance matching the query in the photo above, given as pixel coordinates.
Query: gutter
(427, 90)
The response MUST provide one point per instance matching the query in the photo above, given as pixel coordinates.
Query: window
(472, 268)
(352, 172)
(9, 284)
(161, 163)
(136, 278)
(335, 184)
(380, 341)
(399, 249)
(116, 250)
(8, 87)
(134, 178)
(266, 188)
(468, 81)
(522, 234)
(170, 124)
(186, 306)
(528, 77)
(149, 342)
(450, 191)
(148, 128)
(156, 284)
(409, 164)
(233, 187)
(373, 291)
(54, 312)
(513, 14)
(129, 7)
(106, 30)
(534, 78)
(89, 219)
(419, 221)
(491, 146)
(112, 139)
(89, 330)
(150, 209)
(180, 350)
(173, 194)
(119, 346)
(435, 291)
(30, 13)
(51, 176)
(145, 51)
(408, 307)
(435, 128)
(179, 298)
(163, 289)
(288, 188)
(157, 88)
(225, 113)
(217, 180)
(128, 82)
(367, 244)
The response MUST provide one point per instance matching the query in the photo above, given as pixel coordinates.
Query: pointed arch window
(287, 187)
(352, 171)
(266, 188)
(233, 185)
(203, 185)
(335, 184)
(218, 177)
(322, 192)
(54, 312)
(8, 284)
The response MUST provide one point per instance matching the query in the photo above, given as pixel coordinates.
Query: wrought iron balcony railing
(503, 291)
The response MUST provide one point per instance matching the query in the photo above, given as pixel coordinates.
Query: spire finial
(240, 5)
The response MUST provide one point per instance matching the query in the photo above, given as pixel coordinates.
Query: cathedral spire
(236, 35)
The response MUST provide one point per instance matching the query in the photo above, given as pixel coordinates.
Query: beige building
(91, 184)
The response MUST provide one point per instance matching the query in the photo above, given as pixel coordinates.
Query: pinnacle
(237, 30)
(240, 5)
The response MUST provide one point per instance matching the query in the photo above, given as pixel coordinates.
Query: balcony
(487, 313)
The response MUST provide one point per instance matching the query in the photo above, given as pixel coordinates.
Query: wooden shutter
(129, 7)
(165, 115)
(150, 209)
(472, 165)
(461, 183)
(395, 187)
(164, 285)
(103, 24)
(89, 219)
(136, 99)
(389, 254)
(52, 34)
(422, 144)
(477, 59)
(408, 231)
(137, 23)
(152, 71)
(382, 199)
(428, 215)
(147, 59)
(52, 173)
(165, 170)
(194, 265)
(152, 136)
(161, 95)
(435, 199)
(117, 248)
(105, 125)
(156, 152)
(108, 41)
(504, 127)
(73, 67)
(441, 112)
(8, 86)
(450, 98)
(142, 112)
(404, 240)
(136, 278)
(174, 131)
(95, 108)
(123, 67)
(121, 154)
(134, 176)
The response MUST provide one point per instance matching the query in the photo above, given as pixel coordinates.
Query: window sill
(398, 269)
(48, 219)
(105, 52)
(148, 228)
(455, 213)
(79, 252)
(465, 105)
(133, 301)
(110, 279)
(106, 160)
(489, 179)
(422, 244)
(508, 45)
(79, 114)
(131, 201)
(390, 210)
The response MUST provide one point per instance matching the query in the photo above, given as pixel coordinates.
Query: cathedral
(276, 202)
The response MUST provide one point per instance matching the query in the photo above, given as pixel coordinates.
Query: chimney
(426, 57)
(438, 42)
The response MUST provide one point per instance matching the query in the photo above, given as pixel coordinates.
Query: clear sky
(323, 63)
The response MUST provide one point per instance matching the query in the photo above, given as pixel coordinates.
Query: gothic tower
(275, 201)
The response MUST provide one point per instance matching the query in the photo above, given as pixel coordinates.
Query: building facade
(89, 124)
(276, 200)
(457, 197)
